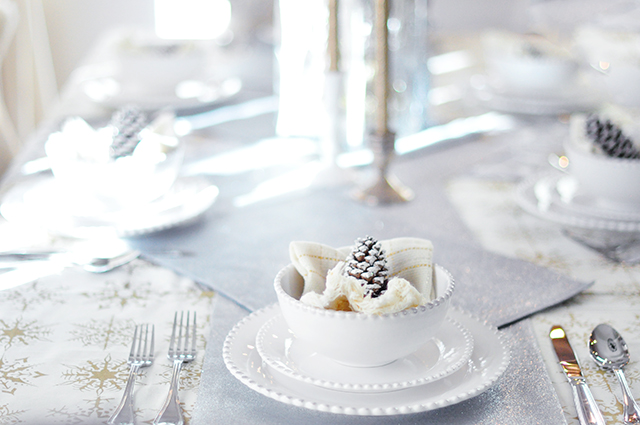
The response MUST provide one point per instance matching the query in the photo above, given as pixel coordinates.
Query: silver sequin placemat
(238, 251)
(523, 395)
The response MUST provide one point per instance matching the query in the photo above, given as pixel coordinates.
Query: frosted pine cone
(610, 138)
(127, 124)
(367, 263)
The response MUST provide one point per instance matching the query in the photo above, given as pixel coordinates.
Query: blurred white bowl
(528, 63)
(532, 75)
(612, 182)
(623, 84)
(93, 184)
(357, 339)
(615, 52)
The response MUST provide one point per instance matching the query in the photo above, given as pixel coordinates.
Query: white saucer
(440, 357)
(38, 201)
(556, 197)
(551, 103)
(488, 361)
(113, 92)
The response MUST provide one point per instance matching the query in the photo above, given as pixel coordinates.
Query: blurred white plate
(438, 358)
(115, 92)
(488, 361)
(555, 197)
(567, 100)
(38, 201)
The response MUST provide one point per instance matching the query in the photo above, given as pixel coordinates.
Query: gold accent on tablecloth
(64, 342)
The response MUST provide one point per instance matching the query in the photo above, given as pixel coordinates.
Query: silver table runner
(239, 251)
(523, 395)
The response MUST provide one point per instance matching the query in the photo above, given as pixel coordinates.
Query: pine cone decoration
(127, 123)
(610, 138)
(367, 263)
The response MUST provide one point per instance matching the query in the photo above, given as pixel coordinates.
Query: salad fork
(181, 351)
(141, 355)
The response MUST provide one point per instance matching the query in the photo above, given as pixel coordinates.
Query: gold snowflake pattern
(21, 332)
(189, 375)
(122, 294)
(32, 296)
(97, 375)
(113, 332)
(15, 374)
(207, 295)
(93, 407)
(8, 416)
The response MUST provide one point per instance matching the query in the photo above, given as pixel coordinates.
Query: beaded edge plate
(536, 196)
(488, 362)
(34, 201)
(440, 357)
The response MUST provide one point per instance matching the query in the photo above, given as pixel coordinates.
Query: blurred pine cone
(367, 263)
(610, 138)
(127, 123)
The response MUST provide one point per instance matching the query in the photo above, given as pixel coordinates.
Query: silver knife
(588, 411)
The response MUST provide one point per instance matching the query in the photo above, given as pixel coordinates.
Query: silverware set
(182, 349)
(609, 351)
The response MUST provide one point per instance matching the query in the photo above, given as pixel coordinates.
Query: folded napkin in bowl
(408, 258)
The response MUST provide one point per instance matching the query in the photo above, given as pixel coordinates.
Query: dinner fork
(141, 355)
(180, 352)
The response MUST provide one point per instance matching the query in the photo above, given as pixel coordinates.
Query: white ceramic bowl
(92, 186)
(532, 75)
(623, 84)
(358, 339)
(612, 182)
(614, 51)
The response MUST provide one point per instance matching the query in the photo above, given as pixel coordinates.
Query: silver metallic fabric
(239, 250)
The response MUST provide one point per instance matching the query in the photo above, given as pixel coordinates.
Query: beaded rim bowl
(358, 339)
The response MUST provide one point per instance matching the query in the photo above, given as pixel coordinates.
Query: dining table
(65, 333)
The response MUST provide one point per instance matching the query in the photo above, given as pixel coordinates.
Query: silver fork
(180, 352)
(141, 355)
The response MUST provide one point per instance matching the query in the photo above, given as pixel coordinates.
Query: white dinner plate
(441, 356)
(572, 99)
(38, 201)
(557, 198)
(113, 92)
(488, 361)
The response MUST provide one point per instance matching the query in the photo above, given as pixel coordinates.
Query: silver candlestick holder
(386, 187)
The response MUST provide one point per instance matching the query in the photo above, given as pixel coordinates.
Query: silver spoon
(87, 263)
(93, 264)
(103, 265)
(610, 352)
